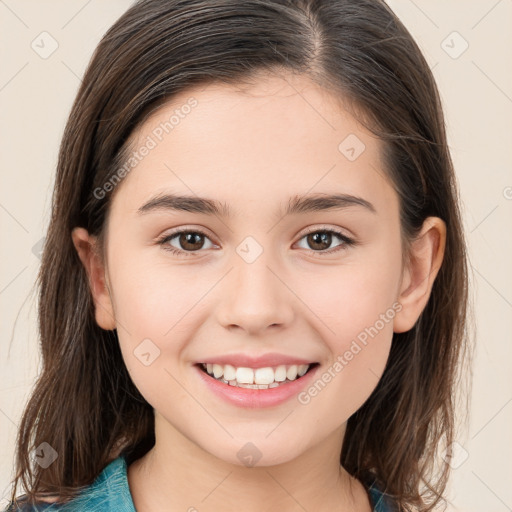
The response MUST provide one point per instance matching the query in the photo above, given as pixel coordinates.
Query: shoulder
(380, 501)
(109, 492)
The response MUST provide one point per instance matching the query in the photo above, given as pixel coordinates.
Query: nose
(255, 297)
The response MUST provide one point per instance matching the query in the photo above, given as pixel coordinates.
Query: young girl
(253, 287)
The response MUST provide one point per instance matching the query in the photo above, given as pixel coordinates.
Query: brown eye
(319, 241)
(191, 241)
(188, 241)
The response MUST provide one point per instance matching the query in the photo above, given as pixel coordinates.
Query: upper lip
(262, 361)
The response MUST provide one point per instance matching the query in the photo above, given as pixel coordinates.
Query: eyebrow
(296, 204)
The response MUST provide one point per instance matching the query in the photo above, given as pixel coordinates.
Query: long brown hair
(84, 403)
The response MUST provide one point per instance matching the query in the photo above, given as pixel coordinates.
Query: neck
(177, 474)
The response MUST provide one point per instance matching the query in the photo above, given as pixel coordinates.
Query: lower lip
(256, 398)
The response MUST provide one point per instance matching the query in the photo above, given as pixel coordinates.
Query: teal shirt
(110, 492)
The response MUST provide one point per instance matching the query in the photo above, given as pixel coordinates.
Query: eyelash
(347, 242)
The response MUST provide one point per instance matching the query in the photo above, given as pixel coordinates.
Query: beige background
(476, 86)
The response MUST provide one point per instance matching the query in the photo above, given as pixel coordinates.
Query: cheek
(354, 298)
(156, 308)
(155, 319)
(152, 297)
(359, 318)
(355, 308)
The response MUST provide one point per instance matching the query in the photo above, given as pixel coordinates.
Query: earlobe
(86, 247)
(425, 259)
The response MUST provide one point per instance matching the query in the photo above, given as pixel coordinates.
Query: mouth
(256, 378)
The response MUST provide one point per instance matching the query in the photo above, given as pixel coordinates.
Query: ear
(86, 246)
(425, 258)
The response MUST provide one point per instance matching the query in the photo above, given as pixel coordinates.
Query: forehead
(279, 136)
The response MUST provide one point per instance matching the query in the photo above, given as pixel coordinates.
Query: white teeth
(229, 372)
(302, 369)
(264, 376)
(218, 370)
(245, 375)
(280, 373)
(259, 378)
(291, 373)
(251, 386)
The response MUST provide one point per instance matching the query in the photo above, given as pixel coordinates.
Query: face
(316, 285)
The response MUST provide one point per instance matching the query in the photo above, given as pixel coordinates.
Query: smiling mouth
(256, 378)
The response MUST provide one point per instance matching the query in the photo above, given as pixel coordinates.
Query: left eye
(324, 238)
(193, 241)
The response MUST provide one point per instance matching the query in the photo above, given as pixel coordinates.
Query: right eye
(186, 238)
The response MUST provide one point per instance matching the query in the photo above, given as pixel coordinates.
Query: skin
(254, 149)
